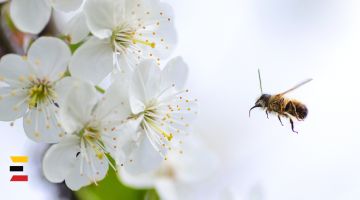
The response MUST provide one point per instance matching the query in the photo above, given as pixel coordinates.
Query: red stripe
(19, 178)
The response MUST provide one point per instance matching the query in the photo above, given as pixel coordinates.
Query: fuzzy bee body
(282, 106)
(296, 109)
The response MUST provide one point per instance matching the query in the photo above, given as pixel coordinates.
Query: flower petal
(115, 103)
(13, 103)
(63, 161)
(63, 87)
(146, 180)
(66, 5)
(60, 159)
(94, 170)
(175, 72)
(76, 29)
(41, 124)
(50, 57)
(74, 180)
(197, 163)
(93, 61)
(30, 16)
(14, 70)
(145, 84)
(166, 189)
(101, 16)
(136, 105)
(117, 142)
(145, 158)
(76, 109)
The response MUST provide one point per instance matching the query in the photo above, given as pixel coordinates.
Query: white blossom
(130, 29)
(157, 98)
(81, 158)
(32, 88)
(137, 125)
(174, 178)
(31, 16)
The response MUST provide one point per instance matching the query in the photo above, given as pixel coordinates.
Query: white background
(225, 42)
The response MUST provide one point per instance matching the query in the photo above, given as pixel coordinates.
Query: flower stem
(5, 46)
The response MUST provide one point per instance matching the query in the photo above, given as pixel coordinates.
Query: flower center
(151, 118)
(124, 37)
(39, 92)
(90, 133)
(91, 136)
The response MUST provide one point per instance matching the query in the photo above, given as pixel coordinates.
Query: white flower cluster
(57, 93)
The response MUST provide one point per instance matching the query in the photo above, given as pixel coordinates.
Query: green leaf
(111, 188)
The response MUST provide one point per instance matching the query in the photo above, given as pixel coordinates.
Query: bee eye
(262, 103)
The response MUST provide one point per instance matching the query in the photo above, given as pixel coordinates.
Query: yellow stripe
(19, 159)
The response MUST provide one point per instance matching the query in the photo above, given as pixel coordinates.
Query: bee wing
(297, 86)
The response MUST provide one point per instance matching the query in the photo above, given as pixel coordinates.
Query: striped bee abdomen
(296, 109)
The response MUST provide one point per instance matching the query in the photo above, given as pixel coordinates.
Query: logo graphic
(18, 159)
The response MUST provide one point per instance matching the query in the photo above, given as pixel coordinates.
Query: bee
(282, 106)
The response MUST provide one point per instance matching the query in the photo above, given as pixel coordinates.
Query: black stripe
(16, 168)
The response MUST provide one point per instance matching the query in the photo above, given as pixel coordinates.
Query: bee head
(262, 102)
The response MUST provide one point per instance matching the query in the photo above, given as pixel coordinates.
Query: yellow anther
(150, 44)
(168, 136)
(39, 93)
(37, 134)
(100, 155)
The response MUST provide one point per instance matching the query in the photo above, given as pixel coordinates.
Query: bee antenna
(260, 81)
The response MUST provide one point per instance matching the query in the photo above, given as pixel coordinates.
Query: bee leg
(267, 113)
(296, 114)
(292, 126)
(280, 120)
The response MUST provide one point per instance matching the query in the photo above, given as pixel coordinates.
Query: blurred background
(224, 43)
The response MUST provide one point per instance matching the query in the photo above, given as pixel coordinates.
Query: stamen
(152, 123)
(82, 149)
(39, 92)
(93, 170)
(151, 44)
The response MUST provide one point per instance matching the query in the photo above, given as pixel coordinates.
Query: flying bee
(282, 106)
